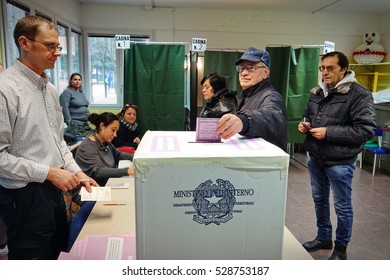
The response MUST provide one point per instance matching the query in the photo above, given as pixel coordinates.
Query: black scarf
(131, 127)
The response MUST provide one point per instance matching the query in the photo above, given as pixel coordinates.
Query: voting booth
(220, 201)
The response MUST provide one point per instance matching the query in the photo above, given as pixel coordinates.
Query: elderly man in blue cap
(261, 111)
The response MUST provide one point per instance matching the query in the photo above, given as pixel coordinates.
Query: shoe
(316, 244)
(339, 253)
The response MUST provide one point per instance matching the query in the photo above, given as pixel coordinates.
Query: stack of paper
(103, 247)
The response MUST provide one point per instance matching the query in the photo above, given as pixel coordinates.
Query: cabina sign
(329, 47)
(199, 44)
(122, 41)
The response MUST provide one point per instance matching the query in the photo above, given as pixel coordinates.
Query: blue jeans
(339, 179)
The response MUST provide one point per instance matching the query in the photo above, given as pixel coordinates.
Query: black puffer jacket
(263, 114)
(223, 102)
(348, 114)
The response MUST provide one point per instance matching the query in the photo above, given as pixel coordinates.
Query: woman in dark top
(219, 100)
(128, 134)
(97, 156)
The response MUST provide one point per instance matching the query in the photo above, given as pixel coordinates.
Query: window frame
(119, 64)
(80, 53)
(57, 65)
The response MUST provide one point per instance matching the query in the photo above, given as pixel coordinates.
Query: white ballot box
(209, 200)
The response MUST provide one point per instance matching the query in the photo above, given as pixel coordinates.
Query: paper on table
(97, 194)
(118, 185)
(109, 247)
(124, 163)
(68, 256)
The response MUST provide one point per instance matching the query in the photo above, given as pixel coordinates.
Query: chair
(78, 222)
(126, 149)
(376, 148)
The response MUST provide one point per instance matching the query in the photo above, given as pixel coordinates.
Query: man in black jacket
(261, 111)
(338, 120)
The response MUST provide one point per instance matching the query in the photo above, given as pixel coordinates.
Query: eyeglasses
(51, 47)
(249, 68)
(327, 68)
(131, 106)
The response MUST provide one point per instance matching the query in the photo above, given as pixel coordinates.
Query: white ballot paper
(118, 185)
(123, 163)
(97, 194)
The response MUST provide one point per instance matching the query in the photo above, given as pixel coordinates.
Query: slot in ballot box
(209, 200)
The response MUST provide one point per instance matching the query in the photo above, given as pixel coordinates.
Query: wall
(224, 29)
(68, 10)
(235, 29)
(384, 23)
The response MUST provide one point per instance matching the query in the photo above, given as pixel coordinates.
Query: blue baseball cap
(255, 55)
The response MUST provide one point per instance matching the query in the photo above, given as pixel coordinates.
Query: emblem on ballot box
(214, 202)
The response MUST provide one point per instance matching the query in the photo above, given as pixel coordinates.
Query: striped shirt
(31, 128)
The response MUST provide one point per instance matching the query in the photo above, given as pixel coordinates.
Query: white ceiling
(307, 6)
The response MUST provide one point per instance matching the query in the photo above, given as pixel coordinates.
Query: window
(15, 11)
(76, 39)
(102, 69)
(62, 61)
(49, 72)
(105, 68)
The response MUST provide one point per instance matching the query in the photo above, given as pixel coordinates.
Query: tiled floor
(371, 202)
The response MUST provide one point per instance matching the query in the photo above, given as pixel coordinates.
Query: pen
(114, 204)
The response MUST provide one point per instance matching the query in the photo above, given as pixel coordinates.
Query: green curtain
(294, 72)
(222, 62)
(154, 81)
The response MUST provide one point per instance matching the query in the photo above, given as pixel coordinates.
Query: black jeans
(35, 217)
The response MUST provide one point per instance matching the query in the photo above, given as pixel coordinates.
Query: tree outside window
(102, 60)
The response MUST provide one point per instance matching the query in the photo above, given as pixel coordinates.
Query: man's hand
(304, 127)
(62, 179)
(66, 181)
(318, 133)
(86, 181)
(228, 126)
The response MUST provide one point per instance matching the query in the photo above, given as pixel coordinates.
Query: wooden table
(108, 219)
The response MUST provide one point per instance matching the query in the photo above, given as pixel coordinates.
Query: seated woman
(128, 134)
(96, 155)
(219, 100)
(75, 105)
